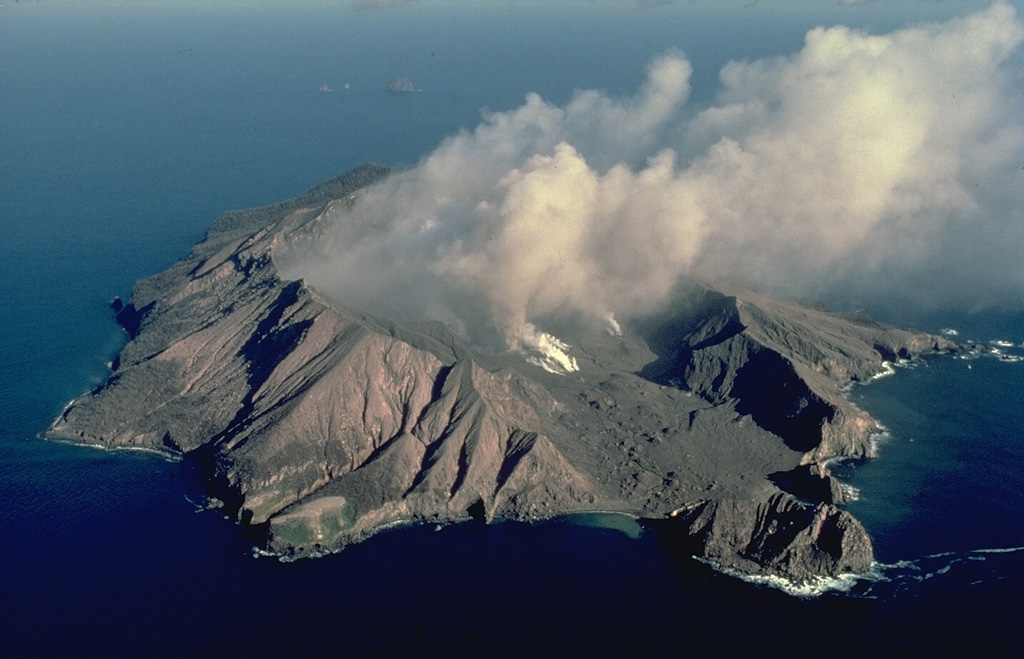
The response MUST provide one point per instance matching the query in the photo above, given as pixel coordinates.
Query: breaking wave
(887, 370)
(878, 439)
(850, 492)
(950, 568)
(887, 581)
(814, 587)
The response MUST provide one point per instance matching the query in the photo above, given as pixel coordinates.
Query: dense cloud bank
(861, 168)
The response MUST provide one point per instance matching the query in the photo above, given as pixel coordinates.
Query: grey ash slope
(322, 424)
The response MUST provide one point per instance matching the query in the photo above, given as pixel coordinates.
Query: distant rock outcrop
(400, 85)
(320, 424)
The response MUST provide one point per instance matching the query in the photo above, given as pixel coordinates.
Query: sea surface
(125, 131)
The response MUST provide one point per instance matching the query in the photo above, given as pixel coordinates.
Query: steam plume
(862, 166)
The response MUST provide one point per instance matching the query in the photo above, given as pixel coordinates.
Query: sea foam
(908, 576)
(806, 589)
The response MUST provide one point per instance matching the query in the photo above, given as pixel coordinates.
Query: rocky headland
(318, 424)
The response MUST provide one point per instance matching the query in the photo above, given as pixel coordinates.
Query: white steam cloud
(861, 167)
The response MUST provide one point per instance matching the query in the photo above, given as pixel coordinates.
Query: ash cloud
(863, 167)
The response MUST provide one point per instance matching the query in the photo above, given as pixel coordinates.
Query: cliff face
(323, 424)
(777, 536)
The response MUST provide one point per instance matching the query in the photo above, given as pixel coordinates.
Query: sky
(868, 166)
(895, 9)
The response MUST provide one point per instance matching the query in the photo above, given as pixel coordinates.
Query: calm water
(123, 133)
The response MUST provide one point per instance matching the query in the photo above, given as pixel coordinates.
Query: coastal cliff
(319, 424)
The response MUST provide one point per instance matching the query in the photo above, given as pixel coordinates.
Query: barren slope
(323, 424)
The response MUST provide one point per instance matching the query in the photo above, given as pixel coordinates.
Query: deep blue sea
(125, 131)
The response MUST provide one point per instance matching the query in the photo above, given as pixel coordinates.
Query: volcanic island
(317, 425)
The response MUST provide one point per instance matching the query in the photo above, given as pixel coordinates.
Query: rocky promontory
(319, 424)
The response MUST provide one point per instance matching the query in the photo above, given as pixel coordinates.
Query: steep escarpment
(778, 536)
(321, 424)
(782, 363)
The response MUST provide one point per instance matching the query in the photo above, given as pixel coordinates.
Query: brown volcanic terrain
(321, 424)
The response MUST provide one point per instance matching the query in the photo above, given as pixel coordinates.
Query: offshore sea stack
(319, 424)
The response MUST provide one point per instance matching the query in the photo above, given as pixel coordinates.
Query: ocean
(125, 130)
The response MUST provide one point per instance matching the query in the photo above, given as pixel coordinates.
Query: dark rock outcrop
(323, 424)
(811, 482)
(778, 536)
